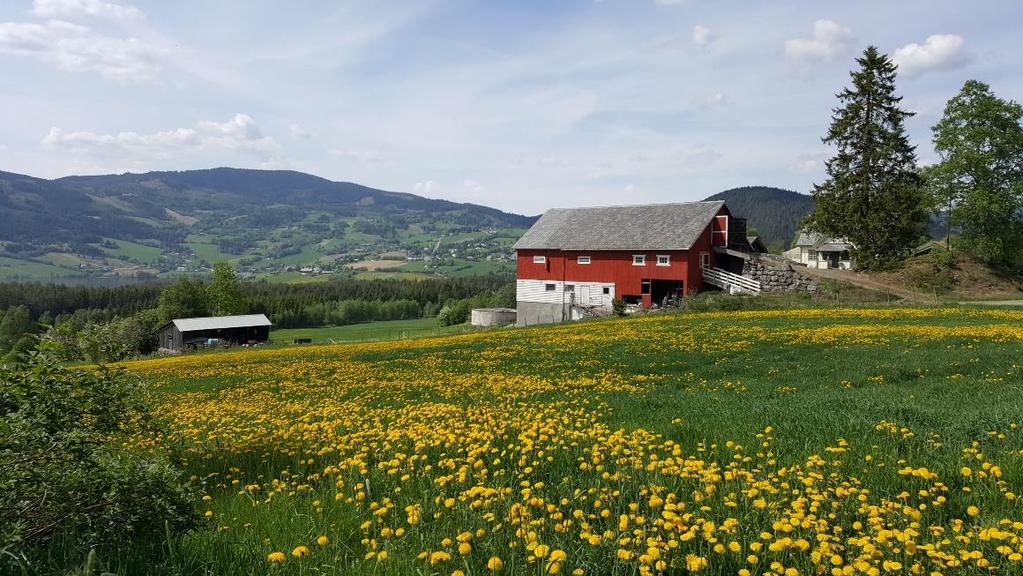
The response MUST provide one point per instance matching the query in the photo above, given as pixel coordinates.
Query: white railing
(729, 281)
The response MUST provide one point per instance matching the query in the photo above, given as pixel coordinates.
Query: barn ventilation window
(607, 290)
(638, 260)
(549, 287)
(569, 287)
(663, 260)
(539, 259)
(644, 287)
(582, 260)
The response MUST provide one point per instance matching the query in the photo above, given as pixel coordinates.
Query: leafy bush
(67, 483)
(618, 307)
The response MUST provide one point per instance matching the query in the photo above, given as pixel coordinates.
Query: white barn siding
(585, 293)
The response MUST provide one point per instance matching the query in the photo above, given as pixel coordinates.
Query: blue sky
(522, 105)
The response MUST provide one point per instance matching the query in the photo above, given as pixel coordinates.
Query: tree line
(877, 196)
(104, 324)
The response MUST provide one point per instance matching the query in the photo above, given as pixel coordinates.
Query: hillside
(267, 222)
(774, 213)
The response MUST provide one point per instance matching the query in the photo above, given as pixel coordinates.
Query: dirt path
(863, 281)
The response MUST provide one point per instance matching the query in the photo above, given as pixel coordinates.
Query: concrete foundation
(492, 317)
(532, 313)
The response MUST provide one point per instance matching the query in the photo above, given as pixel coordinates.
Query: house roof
(220, 322)
(821, 243)
(642, 227)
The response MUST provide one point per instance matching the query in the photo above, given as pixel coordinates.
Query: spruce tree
(979, 181)
(873, 196)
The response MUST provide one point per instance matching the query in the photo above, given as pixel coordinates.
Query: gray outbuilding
(193, 333)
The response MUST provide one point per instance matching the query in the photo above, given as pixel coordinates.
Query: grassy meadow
(813, 441)
(382, 330)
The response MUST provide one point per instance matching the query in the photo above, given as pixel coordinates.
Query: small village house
(815, 250)
(578, 260)
(193, 333)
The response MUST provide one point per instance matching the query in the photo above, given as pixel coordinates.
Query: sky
(523, 105)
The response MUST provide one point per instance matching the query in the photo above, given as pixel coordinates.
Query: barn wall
(612, 267)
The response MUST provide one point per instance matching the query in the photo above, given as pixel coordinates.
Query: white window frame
(667, 260)
(583, 260)
(639, 259)
(704, 259)
(539, 259)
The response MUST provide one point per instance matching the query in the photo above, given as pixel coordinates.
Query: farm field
(783, 442)
(384, 330)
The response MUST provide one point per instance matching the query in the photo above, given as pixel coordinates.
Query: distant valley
(275, 225)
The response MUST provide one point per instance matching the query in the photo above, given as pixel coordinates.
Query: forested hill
(775, 213)
(265, 221)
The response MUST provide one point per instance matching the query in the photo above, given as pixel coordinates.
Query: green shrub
(618, 307)
(67, 483)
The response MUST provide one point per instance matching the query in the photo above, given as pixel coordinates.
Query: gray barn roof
(220, 322)
(643, 227)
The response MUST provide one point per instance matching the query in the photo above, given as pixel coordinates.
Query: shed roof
(220, 322)
(641, 227)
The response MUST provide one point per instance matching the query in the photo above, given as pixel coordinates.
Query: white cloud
(472, 185)
(830, 41)
(363, 156)
(77, 8)
(239, 134)
(702, 36)
(77, 48)
(808, 162)
(299, 132)
(426, 187)
(712, 100)
(938, 52)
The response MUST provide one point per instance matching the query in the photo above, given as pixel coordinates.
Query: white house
(816, 250)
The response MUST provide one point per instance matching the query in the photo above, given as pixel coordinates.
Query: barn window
(582, 260)
(644, 287)
(569, 287)
(663, 260)
(638, 260)
(549, 287)
(607, 290)
(539, 259)
(704, 259)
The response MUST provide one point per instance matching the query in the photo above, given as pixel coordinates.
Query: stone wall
(778, 279)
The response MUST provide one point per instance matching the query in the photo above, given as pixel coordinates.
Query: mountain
(265, 221)
(774, 213)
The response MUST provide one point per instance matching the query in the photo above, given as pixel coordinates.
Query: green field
(12, 269)
(134, 251)
(386, 330)
(885, 440)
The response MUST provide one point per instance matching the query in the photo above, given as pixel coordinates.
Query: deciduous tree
(225, 295)
(979, 181)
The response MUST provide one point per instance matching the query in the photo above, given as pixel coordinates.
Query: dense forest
(773, 213)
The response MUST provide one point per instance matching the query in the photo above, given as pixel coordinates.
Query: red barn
(576, 259)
